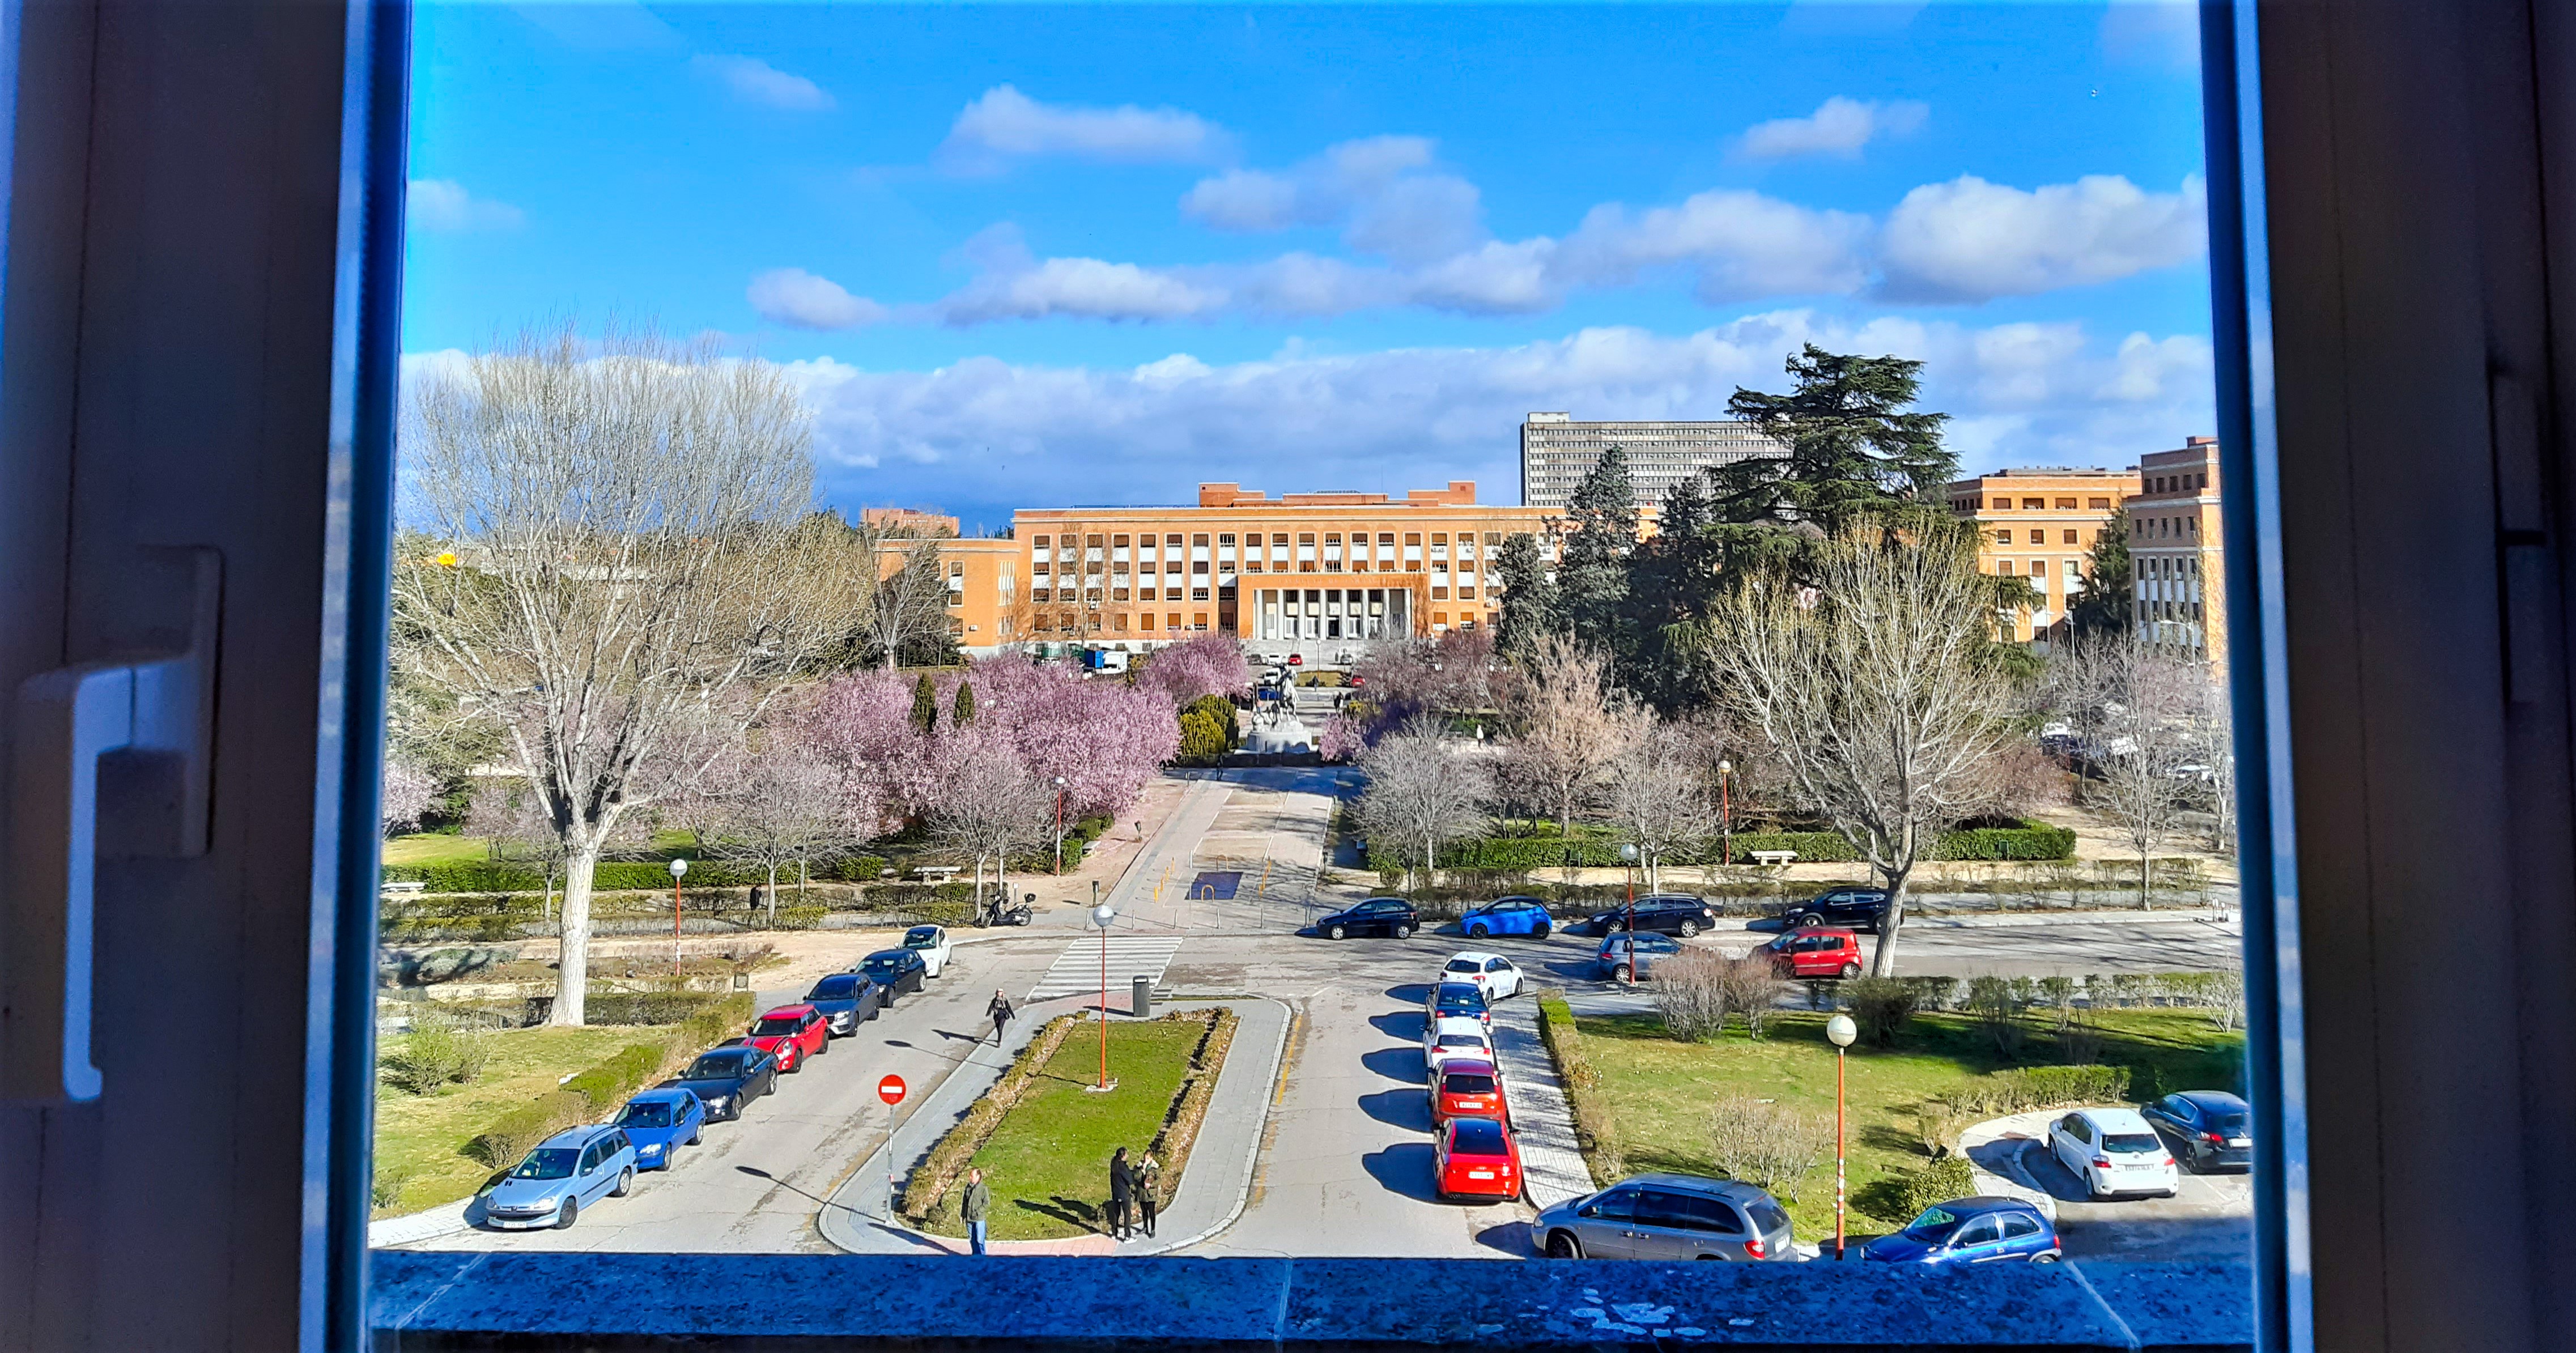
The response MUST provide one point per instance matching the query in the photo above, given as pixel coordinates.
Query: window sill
(450, 1300)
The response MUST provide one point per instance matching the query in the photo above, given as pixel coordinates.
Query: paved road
(2210, 1216)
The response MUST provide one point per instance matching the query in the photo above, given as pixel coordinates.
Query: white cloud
(444, 204)
(1745, 245)
(1970, 240)
(801, 300)
(1005, 435)
(1086, 288)
(1382, 190)
(1004, 124)
(751, 78)
(2153, 32)
(1841, 126)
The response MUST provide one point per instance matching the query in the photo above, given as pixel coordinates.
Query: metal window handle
(111, 757)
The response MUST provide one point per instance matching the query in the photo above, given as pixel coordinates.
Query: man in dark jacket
(1000, 1010)
(975, 1207)
(1122, 1187)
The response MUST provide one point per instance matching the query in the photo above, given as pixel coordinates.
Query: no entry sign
(890, 1089)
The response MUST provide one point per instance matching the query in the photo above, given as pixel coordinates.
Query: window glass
(2019, 1224)
(1982, 1231)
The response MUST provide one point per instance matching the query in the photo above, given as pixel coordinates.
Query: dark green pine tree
(1853, 448)
(925, 705)
(2106, 603)
(1672, 579)
(1592, 565)
(1532, 606)
(964, 713)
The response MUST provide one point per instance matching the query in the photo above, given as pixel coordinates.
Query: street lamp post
(1628, 858)
(1059, 824)
(1842, 1031)
(1725, 810)
(678, 867)
(1101, 916)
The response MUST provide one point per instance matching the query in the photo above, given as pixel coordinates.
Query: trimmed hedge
(2038, 1087)
(1595, 1131)
(2029, 841)
(513, 1134)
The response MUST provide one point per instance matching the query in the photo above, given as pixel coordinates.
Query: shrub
(515, 1133)
(2079, 1042)
(1753, 990)
(1939, 1182)
(437, 1053)
(2038, 1087)
(385, 1190)
(607, 1084)
(1936, 1125)
(1882, 1006)
(2029, 841)
(652, 1007)
(1690, 994)
(1767, 1144)
(1202, 740)
(2059, 992)
(1933, 993)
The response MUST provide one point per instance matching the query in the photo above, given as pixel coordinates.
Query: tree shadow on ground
(1512, 1238)
(1414, 993)
(1071, 1211)
(1404, 1168)
(1405, 1024)
(1407, 1109)
(1401, 1065)
(1885, 1138)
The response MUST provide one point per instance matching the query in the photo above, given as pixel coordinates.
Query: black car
(893, 972)
(2207, 1128)
(1664, 913)
(846, 1000)
(727, 1079)
(1858, 908)
(1377, 916)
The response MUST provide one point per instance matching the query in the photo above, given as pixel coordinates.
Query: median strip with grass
(1043, 1136)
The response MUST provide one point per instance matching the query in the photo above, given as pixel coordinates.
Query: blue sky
(1025, 255)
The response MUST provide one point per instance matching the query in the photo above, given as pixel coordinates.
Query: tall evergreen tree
(925, 704)
(1672, 576)
(1532, 606)
(1592, 567)
(964, 713)
(2107, 601)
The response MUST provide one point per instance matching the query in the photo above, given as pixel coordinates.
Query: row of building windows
(2166, 528)
(2177, 483)
(1440, 541)
(2037, 537)
(2033, 505)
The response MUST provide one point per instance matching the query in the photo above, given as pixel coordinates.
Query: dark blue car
(660, 1122)
(727, 1079)
(846, 1000)
(1981, 1230)
(895, 971)
(1508, 916)
(2207, 1129)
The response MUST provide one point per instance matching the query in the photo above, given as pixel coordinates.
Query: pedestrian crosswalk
(1077, 970)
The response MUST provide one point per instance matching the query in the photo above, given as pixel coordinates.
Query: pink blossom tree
(1208, 664)
(409, 787)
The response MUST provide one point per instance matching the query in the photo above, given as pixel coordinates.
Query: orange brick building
(2177, 565)
(2039, 524)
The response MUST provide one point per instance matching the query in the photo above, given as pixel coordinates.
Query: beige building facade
(2177, 562)
(2040, 525)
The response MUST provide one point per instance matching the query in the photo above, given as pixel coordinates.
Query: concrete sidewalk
(1552, 1168)
(1213, 1186)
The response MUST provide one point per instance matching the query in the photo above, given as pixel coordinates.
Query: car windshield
(1767, 1215)
(884, 964)
(1461, 965)
(547, 1163)
(1935, 1225)
(775, 1026)
(920, 937)
(645, 1116)
(714, 1067)
(2228, 1124)
(1477, 1137)
(2132, 1143)
(839, 987)
(1466, 1084)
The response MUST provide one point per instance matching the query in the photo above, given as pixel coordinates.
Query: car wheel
(1403, 932)
(824, 1046)
(1689, 928)
(1337, 932)
(569, 1213)
(1479, 930)
(1541, 931)
(698, 1133)
(2043, 1259)
(1562, 1246)
(625, 1181)
(1810, 919)
(1622, 973)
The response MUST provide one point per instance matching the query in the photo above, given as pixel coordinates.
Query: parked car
(2207, 1129)
(1861, 907)
(1667, 1216)
(1491, 974)
(1466, 1087)
(2113, 1152)
(1508, 916)
(1475, 1158)
(567, 1172)
(1664, 913)
(1448, 999)
(659, 1123)
(931, 942)
(791, 1033)
(1980, 1230)
(847, 1000)
(895, 971)
(1631, 958)
(1377, 916)
(727, 1079)
(1451, 1038)
(1816, 953)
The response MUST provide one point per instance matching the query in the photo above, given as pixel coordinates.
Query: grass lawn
(1661, 1090)
(437, 848)
(1047, 1162)
(426, 1134)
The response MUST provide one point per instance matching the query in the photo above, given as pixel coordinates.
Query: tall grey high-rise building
(1556, 452)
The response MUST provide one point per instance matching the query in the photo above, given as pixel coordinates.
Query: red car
(791, 1033)
(1476, 1158)
(1467, 1088)
(1817, 953)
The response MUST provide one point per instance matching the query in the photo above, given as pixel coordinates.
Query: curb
(446, 1219)
(1252, 1157)
(2008, 1128)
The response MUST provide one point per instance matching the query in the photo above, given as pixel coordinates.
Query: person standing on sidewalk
(1122, 1187)
(1149, 1182)
(1000, 1010)
(976, 1206)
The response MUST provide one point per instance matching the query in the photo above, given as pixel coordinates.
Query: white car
(1493, 974)
(1455, 1036)
(931, 942)
(2114, 1152)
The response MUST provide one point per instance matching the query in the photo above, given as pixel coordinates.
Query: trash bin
(1140, 999)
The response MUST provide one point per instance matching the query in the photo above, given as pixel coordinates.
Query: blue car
(846, 1000)
(660, 1122)
(1509, 916)
(569, 1171)
(1980, 1230)
(894, 971)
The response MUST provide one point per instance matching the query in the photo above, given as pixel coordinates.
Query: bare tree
(1423, 789)
(1568, 726)
(2214, 761)
(909, 604)
(622, 566)
(1767, 1144)
(1656, 792)
(781, 809)
(1876, 688)
(989, 804)
(2138, 716)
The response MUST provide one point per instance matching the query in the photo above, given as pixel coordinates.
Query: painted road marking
(1077, 970)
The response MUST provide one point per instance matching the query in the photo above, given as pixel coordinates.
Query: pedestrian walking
(1149, 1182)
(977, 1205)
(1122, 1188)
(1000, 1010)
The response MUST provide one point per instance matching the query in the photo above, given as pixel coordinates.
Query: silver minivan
(1670, 1217)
